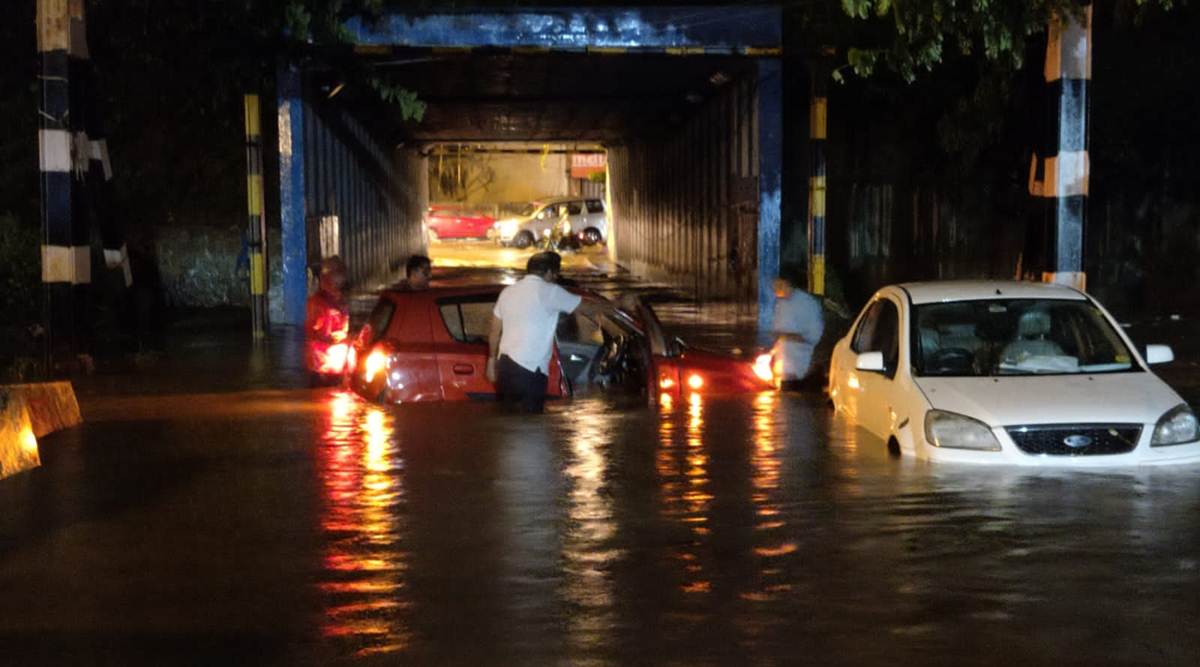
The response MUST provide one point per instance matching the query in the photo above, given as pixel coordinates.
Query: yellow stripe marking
(816, 192)
(254, 194)
(67, 264)
(685, 50)
(54, 25)
(258, 275)
(253, 116)
(818, 118)
(757, 51)
(607, 50)
(816, 275)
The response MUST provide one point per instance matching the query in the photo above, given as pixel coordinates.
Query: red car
(446, 222)
(431, 345)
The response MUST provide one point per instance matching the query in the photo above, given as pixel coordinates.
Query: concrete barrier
(28, 412)
(52, 405)
(18, 444)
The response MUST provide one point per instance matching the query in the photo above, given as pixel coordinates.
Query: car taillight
(695, 382)
(375, 363)
(763, 368)
(351, 359)
(666, 383)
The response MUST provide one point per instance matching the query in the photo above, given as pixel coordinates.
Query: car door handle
(464, 369)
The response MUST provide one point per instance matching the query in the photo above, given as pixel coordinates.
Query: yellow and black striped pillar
(63, 156)
(256, 234)
(1060, 171)
(817, 134)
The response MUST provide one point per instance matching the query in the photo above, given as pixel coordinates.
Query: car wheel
(523, 240)
(592, 236)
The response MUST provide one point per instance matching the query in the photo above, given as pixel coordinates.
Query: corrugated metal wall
(685, 207)
(895, 232)
(378, 194)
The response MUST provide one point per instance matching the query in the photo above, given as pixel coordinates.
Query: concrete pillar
(256, 232)
(1060, 177)
(64, 155)
(817, 134)
(770, 163)
(292, 214)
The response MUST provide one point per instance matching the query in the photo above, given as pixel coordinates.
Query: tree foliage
(914, 36)
(321, 24)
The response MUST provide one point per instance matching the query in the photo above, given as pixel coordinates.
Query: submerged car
(447, 222)
(586, 216)
(431, 345)
(1007, 372)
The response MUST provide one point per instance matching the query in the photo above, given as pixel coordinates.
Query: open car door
(604, 351)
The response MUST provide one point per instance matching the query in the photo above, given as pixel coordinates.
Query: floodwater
(304, 526)
(210, 512)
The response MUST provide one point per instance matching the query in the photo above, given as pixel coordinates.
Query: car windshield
(528, 209)
(1015, 337)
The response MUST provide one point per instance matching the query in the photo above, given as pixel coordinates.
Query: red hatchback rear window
(468, 319)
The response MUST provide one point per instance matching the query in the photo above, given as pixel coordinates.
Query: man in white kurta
(798, 324)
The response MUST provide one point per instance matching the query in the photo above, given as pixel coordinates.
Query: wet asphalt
(212, 510)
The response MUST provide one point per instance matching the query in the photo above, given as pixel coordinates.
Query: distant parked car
(447, 222)
(431, 345)
(1007, 372)
(587, 216)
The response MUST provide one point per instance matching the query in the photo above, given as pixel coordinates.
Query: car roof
(559, 200)
(467, 290)
(442, 292)
(976, 290)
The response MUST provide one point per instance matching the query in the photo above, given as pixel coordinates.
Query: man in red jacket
(327, 324)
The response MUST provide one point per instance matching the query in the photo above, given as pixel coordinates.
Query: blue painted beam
(292, 211)
(770, 162)
(734, 29)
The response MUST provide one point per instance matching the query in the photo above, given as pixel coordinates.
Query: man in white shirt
(798, 324)
(521, 339)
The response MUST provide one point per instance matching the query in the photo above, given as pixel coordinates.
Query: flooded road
(212, 511)
(305, 527)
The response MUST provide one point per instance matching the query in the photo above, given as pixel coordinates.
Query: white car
(586, 215)
(1007, 372)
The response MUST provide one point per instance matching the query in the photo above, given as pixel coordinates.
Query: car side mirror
(870, 361)
(1159, 354)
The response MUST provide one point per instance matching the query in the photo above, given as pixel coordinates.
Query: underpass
(685, 103)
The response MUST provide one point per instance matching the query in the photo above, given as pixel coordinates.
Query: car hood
(1115, 398)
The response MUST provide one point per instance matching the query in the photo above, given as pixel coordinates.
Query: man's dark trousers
(518, 387)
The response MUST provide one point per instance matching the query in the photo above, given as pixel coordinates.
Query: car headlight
(507, 227)
(954, 431)
(376, 361)
(1176, 427)
(762, 368)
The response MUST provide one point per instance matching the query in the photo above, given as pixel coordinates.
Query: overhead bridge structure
(686, 100)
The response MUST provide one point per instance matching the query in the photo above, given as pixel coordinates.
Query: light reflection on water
(364, 562)
(598, 534)
(589, 545)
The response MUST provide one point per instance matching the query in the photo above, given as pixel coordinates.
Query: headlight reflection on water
(363, 568)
